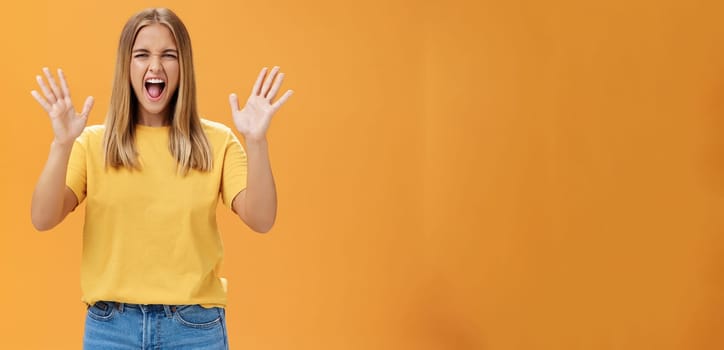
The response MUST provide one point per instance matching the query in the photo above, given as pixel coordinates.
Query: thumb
(87, 107)
(234, 102)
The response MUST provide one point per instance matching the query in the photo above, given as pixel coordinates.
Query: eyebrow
(147, 51)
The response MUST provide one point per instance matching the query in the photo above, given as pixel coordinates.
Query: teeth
(154, 81)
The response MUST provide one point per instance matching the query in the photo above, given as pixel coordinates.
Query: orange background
(451, 175)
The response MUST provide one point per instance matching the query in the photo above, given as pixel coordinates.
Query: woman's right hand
(67, 123)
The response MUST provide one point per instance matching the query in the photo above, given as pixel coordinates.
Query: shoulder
(216, 130)
(92, 133)
(97, 129)
(210, 125)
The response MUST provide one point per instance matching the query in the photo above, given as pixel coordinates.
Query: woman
(152, 176)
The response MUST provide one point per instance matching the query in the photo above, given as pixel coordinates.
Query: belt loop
(119, 306)
(167, 309)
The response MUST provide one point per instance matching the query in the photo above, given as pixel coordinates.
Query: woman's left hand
(253, 120)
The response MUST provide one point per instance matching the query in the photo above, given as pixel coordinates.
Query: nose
(155, 64)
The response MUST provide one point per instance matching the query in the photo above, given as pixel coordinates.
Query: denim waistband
(168, 309)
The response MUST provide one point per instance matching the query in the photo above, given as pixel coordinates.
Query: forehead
(156, 36)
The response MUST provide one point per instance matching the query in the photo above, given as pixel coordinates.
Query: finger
(87, 107)
(282, 99)
(63, 83)
(234, 102)
(48, 94)
(276, 86)
(268, 81)
(53, 86)
(41, 100)
(257, 84)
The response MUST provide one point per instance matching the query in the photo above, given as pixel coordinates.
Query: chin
(154, 109)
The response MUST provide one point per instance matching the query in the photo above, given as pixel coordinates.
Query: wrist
(62, 145)
(256, 141)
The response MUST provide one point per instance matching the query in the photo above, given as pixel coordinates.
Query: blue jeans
(120, 326)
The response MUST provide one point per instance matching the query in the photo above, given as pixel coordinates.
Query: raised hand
(67, 123)
(253, 120)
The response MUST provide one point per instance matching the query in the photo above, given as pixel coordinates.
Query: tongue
(154, 90)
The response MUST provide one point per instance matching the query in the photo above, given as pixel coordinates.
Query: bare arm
(52, 199)
(257, 204)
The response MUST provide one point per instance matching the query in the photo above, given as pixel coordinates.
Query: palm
(66, 121)
(254, 118)
(67, 124)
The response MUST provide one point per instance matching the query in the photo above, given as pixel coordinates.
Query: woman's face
(154, 69)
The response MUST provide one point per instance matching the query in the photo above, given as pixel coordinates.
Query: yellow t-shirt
(150, 236)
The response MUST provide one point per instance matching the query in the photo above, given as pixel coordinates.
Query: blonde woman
(152, 177)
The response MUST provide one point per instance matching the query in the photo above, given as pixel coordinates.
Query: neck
(153, 119)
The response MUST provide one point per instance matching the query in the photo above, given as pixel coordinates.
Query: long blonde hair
(187, 141)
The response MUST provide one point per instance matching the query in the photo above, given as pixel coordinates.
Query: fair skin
(155, 57)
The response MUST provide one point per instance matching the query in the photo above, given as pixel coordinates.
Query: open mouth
(154, 88)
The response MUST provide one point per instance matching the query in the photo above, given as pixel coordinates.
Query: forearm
(260, 201)
(47, 204)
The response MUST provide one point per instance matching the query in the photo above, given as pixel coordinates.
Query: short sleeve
(233, 177)
(76, 175)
